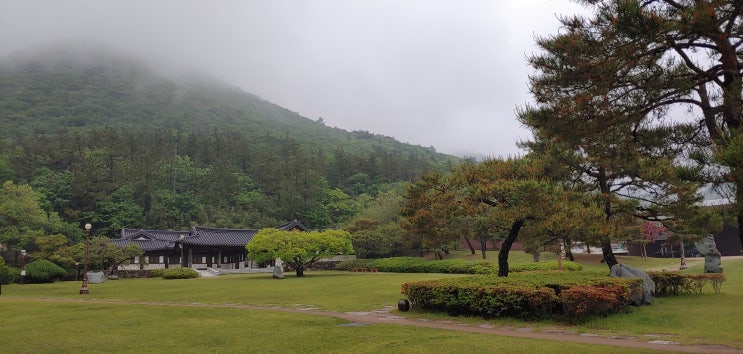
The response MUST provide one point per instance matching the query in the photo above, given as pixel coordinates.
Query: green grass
(34, 326)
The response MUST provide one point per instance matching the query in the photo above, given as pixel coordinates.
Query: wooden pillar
(219, 258)
(190, 258)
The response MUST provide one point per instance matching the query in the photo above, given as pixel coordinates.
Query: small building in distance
(200, 247)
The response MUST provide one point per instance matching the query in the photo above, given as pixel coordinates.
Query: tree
(650, 232)
(648, 62)
(119, 212)
(298, 249)
(571, 215)
(22, 219)
(103, 254)
(517, 194)
(373, 239)
(428, 213)
(7, 274)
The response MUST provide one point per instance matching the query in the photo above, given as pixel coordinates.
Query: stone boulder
(278, 272)
(712, 256)
(96, 277)
(648, 285)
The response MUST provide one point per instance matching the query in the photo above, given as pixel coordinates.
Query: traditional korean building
(200, 247)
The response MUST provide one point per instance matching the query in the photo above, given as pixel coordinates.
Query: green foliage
(177, 273)
(43, 271)
(677, 283)
(7, 273)
(138, 150)
(456, 266)
(570, 297)
(298, 249)
(156, 273)
(372, 240)
(103, 254)
(621, 72)
(546, 265)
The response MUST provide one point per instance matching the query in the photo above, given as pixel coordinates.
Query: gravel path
(384, 316)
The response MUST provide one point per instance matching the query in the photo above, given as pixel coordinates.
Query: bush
(677, 283)
(157, 273)
(456, 266)
(583, 302)
(44, 271)
(571, 297)
(551, 265)
(179, 273)
(8, 274)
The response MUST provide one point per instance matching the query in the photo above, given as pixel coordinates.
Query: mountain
(71, 89)
(105, 139)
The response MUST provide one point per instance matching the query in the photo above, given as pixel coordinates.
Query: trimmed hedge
(44, 271)
(571, 297)
(677, 283)
(456, 266)
(174, 273)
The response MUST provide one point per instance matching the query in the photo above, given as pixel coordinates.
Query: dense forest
(106, 140)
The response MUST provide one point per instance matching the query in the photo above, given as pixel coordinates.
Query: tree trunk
(568, 249)
(300, 271)
(609, 257)
(469, 244)
(506, 247)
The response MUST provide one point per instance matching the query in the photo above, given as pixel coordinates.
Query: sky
(443, 73)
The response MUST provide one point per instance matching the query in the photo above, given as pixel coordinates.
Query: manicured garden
(204, 314)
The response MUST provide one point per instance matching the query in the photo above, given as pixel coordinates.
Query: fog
(447, 74)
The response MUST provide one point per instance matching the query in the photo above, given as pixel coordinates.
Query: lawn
(120, 326)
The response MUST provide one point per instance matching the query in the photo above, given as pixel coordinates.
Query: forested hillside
(107, 140)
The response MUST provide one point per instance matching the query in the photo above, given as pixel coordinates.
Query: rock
(712, 259)
(648, 285)
(96, 277)
(278, 272)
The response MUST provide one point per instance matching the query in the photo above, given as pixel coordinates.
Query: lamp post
(23, 265)
(180, 243)
(84, 288)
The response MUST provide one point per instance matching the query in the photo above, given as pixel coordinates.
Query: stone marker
(712, 261)
(648, 285)
(278, 272)
(96, 277)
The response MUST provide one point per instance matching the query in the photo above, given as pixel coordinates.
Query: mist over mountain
(66, 88)
(99, 133)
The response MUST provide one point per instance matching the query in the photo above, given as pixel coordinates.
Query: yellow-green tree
(298, 249)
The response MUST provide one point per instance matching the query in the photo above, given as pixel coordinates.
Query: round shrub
(180, 273)
(8, 274)
(43, 271)
(157, 273)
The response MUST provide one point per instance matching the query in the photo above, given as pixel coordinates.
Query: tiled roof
(166, 235)
(146, 245)
(205, 236)
(292, 226)
(151, 240)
